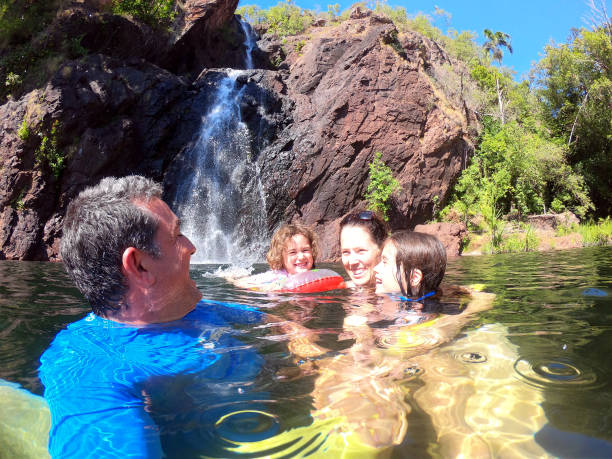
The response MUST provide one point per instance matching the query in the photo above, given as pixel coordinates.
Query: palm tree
(495, 42)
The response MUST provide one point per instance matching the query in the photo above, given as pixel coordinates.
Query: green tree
(493, 45)
(515, 169)
(382, 185)
(153, 12)
(286, 18)
(253, 14)
(574, 84)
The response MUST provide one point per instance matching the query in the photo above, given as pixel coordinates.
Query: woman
(293, 250)
(362, 234)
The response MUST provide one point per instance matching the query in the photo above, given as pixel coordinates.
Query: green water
(540, 357)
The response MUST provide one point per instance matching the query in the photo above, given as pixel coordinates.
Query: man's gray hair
(100, 223)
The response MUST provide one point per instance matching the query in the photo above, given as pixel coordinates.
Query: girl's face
(359, 255)
(297, 256)
(386, 271)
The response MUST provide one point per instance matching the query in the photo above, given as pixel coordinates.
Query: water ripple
(557, 373)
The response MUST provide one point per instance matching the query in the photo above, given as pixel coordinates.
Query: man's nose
(190, 246)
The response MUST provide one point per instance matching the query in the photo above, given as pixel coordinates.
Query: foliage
(515, 169)
(253, 14)
(13, 80)
(574, 84)
(524, 241)
(76, 48)
(599, 233)
(153, 12)
(564, 230)
(28, 53)
(596, 233)
(396, 14)
(17, 202)
(48, 152)
(24, 131)
(277, 61)
(333, 11)
(21, 20)
(283, 19)
(381, 187)
(491, 216)
(495, 42)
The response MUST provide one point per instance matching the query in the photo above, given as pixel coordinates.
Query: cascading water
(249, 43)
(221, 203)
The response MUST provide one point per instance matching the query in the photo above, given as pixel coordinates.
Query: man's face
(174, 293)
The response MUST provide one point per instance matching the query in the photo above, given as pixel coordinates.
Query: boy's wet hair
(279, 241)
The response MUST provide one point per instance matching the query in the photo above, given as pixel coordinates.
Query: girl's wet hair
(370, 221)
(278, 244)
(418, 251)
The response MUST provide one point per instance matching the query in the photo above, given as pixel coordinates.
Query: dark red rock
(361, 88)
(114, 117)
(452, 235)
(351, 91)
(205, 35)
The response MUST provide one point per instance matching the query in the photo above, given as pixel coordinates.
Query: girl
(292, 256)
(412, 264)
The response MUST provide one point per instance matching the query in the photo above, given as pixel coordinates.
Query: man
(147, 370)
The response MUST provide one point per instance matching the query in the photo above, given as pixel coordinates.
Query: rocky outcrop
(452, 235)
(342, 94)
(551, 221)
(100, 117)
(358, 90)
(206, 35)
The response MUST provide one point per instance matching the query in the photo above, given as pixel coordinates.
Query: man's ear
(416, 276)
(134, 269)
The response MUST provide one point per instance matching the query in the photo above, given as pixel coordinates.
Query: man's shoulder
(214, 312)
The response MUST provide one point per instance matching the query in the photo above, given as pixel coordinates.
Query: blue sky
(531, 24)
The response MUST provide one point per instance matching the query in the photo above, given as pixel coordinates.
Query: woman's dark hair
(370, 221)
(418, 251)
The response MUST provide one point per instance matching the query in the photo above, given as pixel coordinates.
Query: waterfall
(221, 202)
(249, 43)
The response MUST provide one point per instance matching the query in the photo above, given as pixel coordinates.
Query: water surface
(531, 376)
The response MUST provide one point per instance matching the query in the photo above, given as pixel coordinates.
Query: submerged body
(122, 391)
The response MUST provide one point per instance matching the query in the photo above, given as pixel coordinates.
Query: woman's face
(297, 256)
(359, 255)
(386, 271)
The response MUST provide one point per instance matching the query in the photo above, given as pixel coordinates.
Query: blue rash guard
(121, 391)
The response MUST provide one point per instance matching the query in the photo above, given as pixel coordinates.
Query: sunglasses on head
(366, 215)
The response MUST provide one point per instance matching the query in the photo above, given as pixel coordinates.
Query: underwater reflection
(530, 377)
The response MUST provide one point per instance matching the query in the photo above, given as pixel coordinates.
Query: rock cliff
(361, 88)
(342, 94)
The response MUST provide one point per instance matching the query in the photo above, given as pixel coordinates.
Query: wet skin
(297, 256)
(360, 254)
